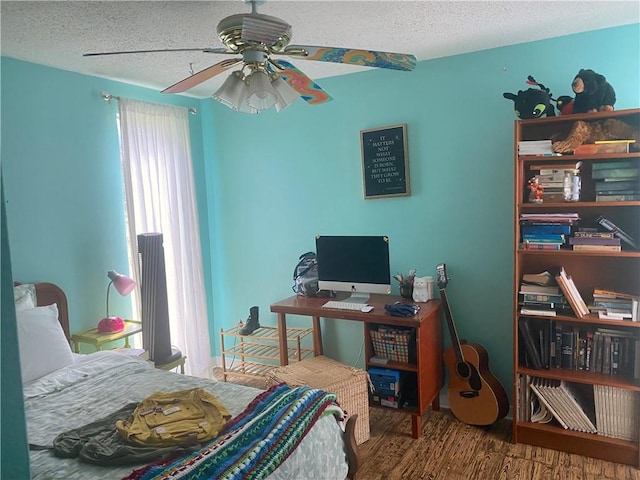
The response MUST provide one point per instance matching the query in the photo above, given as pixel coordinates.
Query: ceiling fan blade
(264, 29)
(365, 58)
(205, 50)
(309, 90)
(201, 76)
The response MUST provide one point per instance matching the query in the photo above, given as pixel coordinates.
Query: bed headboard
(48, 293)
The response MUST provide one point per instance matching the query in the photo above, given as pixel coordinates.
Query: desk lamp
(124, 285)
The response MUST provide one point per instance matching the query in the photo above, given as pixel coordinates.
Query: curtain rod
(107, 97)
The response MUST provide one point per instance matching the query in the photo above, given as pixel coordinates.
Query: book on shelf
(618, 197)
(626, 172)
(592, 234)
(614, 314)
(569, 403)
(542, 228)
(543, 297)
(597, 248)
(572, 294)
(618, 232)
(550, 217)
(602, 292)
(540, 289)
(611, 185)
(567, 348)
(593, 241)
(542, 278)
(528, 245)
(555, 169)
(526, 333)
(529, 310)
(617, 412)
(535, 147)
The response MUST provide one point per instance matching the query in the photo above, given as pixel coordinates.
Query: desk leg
(317, 337)
(435, 405)
(416, 426)
(282, 339)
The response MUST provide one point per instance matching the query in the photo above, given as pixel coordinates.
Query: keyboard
(344, 305)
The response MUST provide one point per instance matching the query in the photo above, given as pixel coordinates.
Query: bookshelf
(617, 271)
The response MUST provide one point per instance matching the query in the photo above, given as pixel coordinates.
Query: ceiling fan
(269, 81)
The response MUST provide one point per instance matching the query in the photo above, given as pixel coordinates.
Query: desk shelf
(256, 354)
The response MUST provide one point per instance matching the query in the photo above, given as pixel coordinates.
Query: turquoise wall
(267, 184)
(63, 180)
(281, 179)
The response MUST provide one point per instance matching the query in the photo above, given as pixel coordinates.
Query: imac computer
(355, 264)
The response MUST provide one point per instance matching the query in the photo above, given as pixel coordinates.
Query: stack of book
(616, 412)
(571, 404)
(616, 181)
(540, 295)
(611, 305)
(551, 179)
(594, 241)
(546, 231)
(572, 294)
(535, 147)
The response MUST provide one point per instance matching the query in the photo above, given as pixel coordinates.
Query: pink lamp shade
(124, 285)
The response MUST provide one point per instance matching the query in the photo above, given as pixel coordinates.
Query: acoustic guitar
(476, 397)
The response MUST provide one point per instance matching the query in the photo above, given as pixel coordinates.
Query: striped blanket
(257, 441)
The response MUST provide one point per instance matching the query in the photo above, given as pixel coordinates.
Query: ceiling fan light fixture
(261, 94)
(285, 94)
(232, 91)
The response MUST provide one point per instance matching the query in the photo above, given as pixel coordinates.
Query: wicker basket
(392, 343)
(348, 383)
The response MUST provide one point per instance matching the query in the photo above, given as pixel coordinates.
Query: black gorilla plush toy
(593, 92)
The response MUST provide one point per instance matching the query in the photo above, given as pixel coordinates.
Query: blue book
(554, 229)
(543, 238)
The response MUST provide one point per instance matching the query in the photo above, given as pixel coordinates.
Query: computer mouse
(366, 308)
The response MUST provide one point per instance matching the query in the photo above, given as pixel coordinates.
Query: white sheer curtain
(160, 196)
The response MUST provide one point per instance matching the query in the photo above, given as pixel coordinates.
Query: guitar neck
(455, 341)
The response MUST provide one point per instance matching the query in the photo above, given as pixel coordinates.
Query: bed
(94, 385)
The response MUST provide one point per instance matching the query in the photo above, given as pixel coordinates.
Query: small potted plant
(406, 283)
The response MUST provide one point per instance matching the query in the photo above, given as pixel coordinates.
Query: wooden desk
(427, 367)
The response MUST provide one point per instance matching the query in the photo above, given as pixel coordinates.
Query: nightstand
(97, 339)
(171, 365)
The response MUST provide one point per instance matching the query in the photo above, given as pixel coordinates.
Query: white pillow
(43, 346)
(25, 296)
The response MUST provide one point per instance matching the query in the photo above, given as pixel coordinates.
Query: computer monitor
(355, 264)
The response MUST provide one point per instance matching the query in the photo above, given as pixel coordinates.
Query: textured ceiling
(58, 33)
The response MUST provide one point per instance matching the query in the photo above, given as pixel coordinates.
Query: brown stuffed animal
(589, 132)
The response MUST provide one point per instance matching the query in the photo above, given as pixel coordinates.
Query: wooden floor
(450, 449)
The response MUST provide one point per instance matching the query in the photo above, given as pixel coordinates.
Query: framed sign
(385, 163)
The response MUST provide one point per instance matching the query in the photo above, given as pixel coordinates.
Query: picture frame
(385, 162)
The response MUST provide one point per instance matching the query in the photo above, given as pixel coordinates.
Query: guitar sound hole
(463, 370)
(475, 381)
(468, 371)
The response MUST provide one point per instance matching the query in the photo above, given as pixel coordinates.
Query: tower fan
(156, 336)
